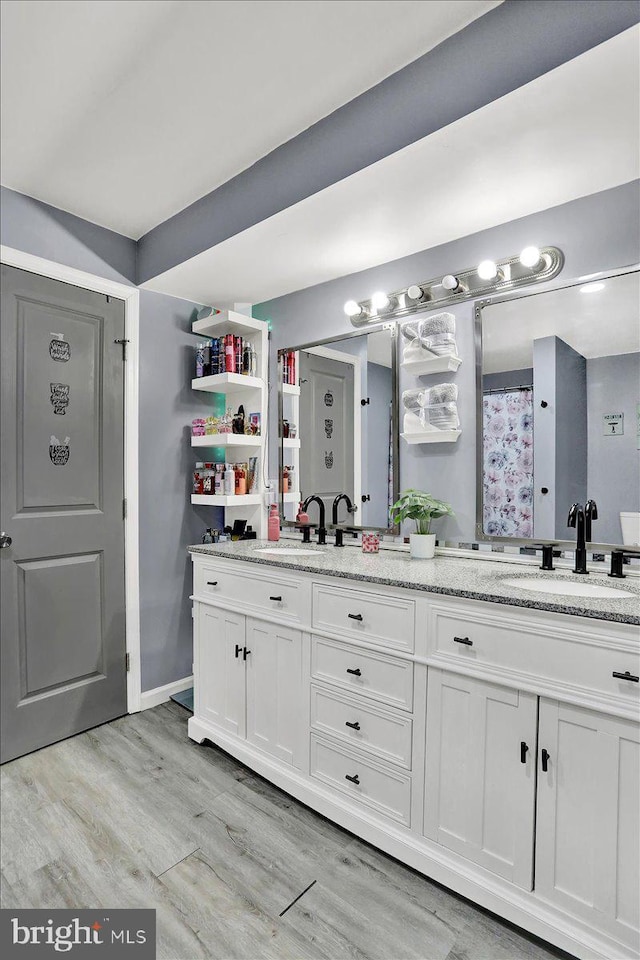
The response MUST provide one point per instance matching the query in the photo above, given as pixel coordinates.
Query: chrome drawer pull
(357, 672)
(353, 779)
(624, 676)
(465, 640)
(355, 616)
(354, 726)
(212, 583)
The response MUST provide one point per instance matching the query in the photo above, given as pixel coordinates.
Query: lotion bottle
(273, 525)
(229, 480)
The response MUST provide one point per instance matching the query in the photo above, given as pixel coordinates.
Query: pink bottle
(273, 526)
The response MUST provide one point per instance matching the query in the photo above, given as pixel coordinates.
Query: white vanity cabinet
(481, 773)
(493, 748)
(587, 830)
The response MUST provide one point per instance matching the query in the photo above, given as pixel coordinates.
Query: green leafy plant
(421, 507)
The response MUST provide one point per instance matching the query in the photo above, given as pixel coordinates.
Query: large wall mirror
(558, 411)
(338, 426)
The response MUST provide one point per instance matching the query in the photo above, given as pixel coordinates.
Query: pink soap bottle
(273, 526)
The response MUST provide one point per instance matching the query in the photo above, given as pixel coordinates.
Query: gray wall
(168, 523)
(596, 233)
(613, 386)
(508, 378)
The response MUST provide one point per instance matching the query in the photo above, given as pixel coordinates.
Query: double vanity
(447, 711)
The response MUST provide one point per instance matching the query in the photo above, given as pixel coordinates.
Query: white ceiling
(597, 321)
(126, 112)
(568, 134)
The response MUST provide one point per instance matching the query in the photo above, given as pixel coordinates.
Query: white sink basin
(567, 588)
(288, 552)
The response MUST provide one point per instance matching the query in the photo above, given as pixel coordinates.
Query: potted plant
(423, 508)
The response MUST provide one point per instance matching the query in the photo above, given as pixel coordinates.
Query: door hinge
(127, 661)
(124, 508)
(124, 347)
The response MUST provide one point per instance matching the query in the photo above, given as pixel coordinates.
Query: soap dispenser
(273, 525)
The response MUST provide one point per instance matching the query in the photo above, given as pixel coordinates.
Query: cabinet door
(587, 836)
(275, 716)
(219, 680)
(480, 779)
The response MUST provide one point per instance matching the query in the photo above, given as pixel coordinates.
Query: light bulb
(379, 300)
(592, 288)
(352, 309)
(530, 257)
(415, 292)
(451, 283)
(487, 270)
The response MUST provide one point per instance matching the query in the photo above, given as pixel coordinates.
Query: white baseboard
(153, 698)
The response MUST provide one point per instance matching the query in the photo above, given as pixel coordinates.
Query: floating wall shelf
(432, 436)
(228, 321)
(226, 383)
(291, 389)
(226, 440)
(420, 368)
(218, 500)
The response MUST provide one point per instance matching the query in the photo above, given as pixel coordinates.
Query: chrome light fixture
(532, 265)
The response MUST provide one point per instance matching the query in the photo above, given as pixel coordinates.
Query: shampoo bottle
(229, 480)
(273, 526)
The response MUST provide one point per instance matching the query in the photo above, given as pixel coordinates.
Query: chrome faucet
(576, 519)
(322, 531)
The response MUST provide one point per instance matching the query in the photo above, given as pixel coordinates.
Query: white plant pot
(422, 546)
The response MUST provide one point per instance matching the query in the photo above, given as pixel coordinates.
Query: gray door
(326, 428)
(61, 441)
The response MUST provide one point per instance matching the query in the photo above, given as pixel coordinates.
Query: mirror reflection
(560, 412)
(337, 429)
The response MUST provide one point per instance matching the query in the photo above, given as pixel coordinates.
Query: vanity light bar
(489, 277)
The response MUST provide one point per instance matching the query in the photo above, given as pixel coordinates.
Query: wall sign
(328, 429)
(328, 399)
(59, 397)
(613, 424)
(328, 459)
(59, 452)
(59, 348)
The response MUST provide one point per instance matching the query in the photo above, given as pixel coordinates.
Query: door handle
(354, 726)
(355, 616)
(5, 540)
(545, 760)
(619, 676)
(354, 779)
(357, 672)
(238, 649)
(465, 640)
(523, 751)
(245, 653)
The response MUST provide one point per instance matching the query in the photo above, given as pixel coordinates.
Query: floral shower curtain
(508, 463)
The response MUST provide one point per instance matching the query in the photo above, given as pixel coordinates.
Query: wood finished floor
(133, 813)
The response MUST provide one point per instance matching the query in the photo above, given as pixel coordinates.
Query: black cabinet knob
(625, 676)
(523, 751)
(544, 489)
(357, 672)
(354, 779)
(546, 756)
(212, 583)
(543, 404)
(277, 599)
(355, 616)
(354, 726)
(238, 650)
(245, 653)
(463, 640)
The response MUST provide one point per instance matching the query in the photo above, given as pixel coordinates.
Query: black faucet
(322, 532)
(547, 555)
(576, 519)
(336, 504)
(617, 560)
(590, 513)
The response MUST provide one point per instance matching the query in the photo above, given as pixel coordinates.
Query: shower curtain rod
(522, 386)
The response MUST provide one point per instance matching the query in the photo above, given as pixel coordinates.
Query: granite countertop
(453, 576)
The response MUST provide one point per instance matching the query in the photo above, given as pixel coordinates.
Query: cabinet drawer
(370, 674)
(386, 791)
(538, 653)
(253, 591)
(388, 621)
(352, 719)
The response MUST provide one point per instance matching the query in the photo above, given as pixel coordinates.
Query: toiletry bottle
(273, 526)
(302, 517)
(292, 478)
(229, 480)
(253, 370)
(197, 478)
(199, 359)
(218, 480)
(229, 354)
(285, 480)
